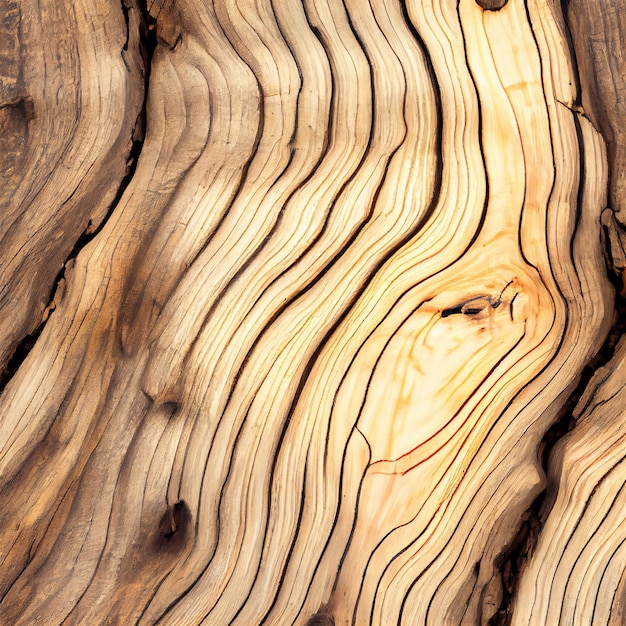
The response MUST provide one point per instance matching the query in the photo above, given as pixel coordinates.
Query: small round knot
(321, 619)
(174, 527)
(491, 5)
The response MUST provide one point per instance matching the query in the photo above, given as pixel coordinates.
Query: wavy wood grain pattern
(71, 92)
(599, 41)
(302, 373)
(577, 574)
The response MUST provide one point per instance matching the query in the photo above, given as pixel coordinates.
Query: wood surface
(296, 295)
(576, 575)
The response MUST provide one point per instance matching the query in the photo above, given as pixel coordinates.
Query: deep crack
(125, 10)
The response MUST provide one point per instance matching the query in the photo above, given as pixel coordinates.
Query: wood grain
(71, 92)
(576, 574)
(302, 373)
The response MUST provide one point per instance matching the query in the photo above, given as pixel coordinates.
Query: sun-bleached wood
(303, 372)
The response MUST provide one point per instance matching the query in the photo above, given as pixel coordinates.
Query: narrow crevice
(127, 22)
(148, 45)
(19, 355)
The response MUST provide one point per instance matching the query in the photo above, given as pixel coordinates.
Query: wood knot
(174, 526)
(22, 107)
(491, 5)
(321, 618)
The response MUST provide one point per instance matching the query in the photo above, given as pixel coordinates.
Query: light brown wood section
(71, 90)
(302, 373)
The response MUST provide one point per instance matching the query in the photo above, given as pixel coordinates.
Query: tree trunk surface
(305, 315)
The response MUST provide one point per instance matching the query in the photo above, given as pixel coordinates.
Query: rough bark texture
(302, 365)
